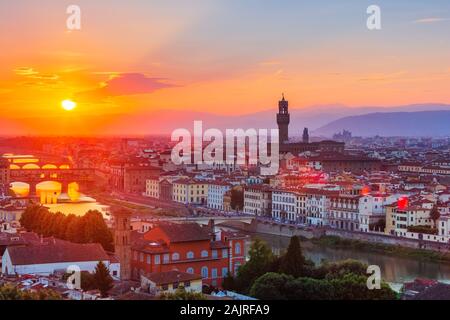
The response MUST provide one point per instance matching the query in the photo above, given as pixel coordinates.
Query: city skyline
(224, 57)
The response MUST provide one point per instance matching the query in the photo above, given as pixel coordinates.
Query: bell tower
(283, 119)
(305, 135)
(122, 241)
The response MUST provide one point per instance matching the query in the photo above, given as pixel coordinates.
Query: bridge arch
(49, 166)
(30, 166)
(48, 191)
(20, 189)
(14, 167)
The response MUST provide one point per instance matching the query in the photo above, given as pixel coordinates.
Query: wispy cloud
(431, 20)
(125, 84)
(270, 63)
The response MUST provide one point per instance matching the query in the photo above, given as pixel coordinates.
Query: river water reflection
(394, 269)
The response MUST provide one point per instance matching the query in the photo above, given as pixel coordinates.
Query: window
(224, 272)
(166, 258)
(204, 254)
(214, 254)
(165, 287)
(175, 285)
(237, 248)
(149, 259)
(157, 259)
(190, 270)
(205, 272)
(175, 256)
(190, 255)
(141, 257)
(187, 284)
(214, 273)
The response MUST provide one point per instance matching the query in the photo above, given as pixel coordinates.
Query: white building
(344, 212)
(318, 206)
(258, 200)
(56, 255)
(216, 191)
(284, 205)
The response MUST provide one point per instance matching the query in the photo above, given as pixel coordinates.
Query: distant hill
(165, 121)
(424, 123)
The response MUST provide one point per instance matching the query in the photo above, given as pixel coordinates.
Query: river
(395, 270)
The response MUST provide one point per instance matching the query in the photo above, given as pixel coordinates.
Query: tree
(292, 263)
(237, 199)
(354, 287)
(182, 294)
(103, 280)
(10, 292)
(260, 261)
(228, 282)
(270, 286)
(435, 214)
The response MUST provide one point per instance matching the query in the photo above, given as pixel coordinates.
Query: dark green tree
(103, 280)
(237, 199)
(260, 262)
(293, 261)
(228, 283)
(270, 286)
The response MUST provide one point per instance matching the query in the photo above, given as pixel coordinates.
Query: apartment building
(258, 200)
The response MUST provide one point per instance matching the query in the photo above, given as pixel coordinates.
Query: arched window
(190, 270)
(205, 272)
(175, 256)
(190, 255)
(237, 248)
(204, 254)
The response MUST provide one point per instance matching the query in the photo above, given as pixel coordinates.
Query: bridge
(33, 177)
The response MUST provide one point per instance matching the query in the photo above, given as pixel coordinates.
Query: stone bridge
(83, 177)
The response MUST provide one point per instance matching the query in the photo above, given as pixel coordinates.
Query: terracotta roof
(61, 251)
(161, 278)
(183, 232)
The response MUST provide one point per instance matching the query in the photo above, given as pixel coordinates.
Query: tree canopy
(89, 228)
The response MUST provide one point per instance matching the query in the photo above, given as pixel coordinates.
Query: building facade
(189, 248)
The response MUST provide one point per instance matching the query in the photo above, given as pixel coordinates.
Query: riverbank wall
(276, 229)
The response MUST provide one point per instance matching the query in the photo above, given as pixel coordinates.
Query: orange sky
(221, 57)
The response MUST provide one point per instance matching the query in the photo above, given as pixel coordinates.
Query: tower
(305, 135)
(122, 241)
(283, 119)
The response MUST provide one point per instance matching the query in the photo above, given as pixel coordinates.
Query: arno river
(394, 269)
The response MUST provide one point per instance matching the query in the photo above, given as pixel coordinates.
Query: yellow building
(190, 191)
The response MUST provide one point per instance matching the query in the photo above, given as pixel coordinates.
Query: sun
(68, 105)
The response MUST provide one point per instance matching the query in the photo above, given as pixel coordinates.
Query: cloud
(25, 71)
(31, 73)
(125, 84)
(270, 63)
(431, 20)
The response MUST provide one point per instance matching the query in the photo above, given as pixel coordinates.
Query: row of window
(189, 255)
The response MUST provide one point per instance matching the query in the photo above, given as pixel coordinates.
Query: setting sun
(68, 105)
